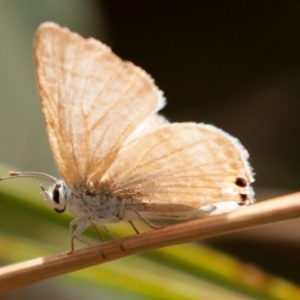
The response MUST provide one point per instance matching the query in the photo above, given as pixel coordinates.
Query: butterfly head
(56, 196)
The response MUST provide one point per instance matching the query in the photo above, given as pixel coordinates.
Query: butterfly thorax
(99, 202)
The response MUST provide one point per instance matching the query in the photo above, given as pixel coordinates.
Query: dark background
(234, 64)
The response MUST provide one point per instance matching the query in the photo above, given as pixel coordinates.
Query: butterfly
(118, 158)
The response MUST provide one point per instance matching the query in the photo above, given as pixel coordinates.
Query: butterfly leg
(121, 216)
(145, 220)
(105, 229)
(81, 224)
(98, 232)
(134, 227)
(109, 232)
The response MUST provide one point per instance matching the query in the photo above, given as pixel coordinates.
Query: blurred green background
(234, 64)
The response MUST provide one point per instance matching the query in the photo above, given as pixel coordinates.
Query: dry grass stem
(274, 210)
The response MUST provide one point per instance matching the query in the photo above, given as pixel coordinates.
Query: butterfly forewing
(92, 101)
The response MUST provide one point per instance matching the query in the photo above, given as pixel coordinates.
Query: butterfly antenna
(29, 174)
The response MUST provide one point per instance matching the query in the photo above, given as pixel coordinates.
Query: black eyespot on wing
(244, 197)
(241, 182)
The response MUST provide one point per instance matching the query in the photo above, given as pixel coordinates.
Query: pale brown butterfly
(120, 160)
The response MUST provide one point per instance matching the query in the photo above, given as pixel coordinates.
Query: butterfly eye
(58, 198)
(55, 194)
